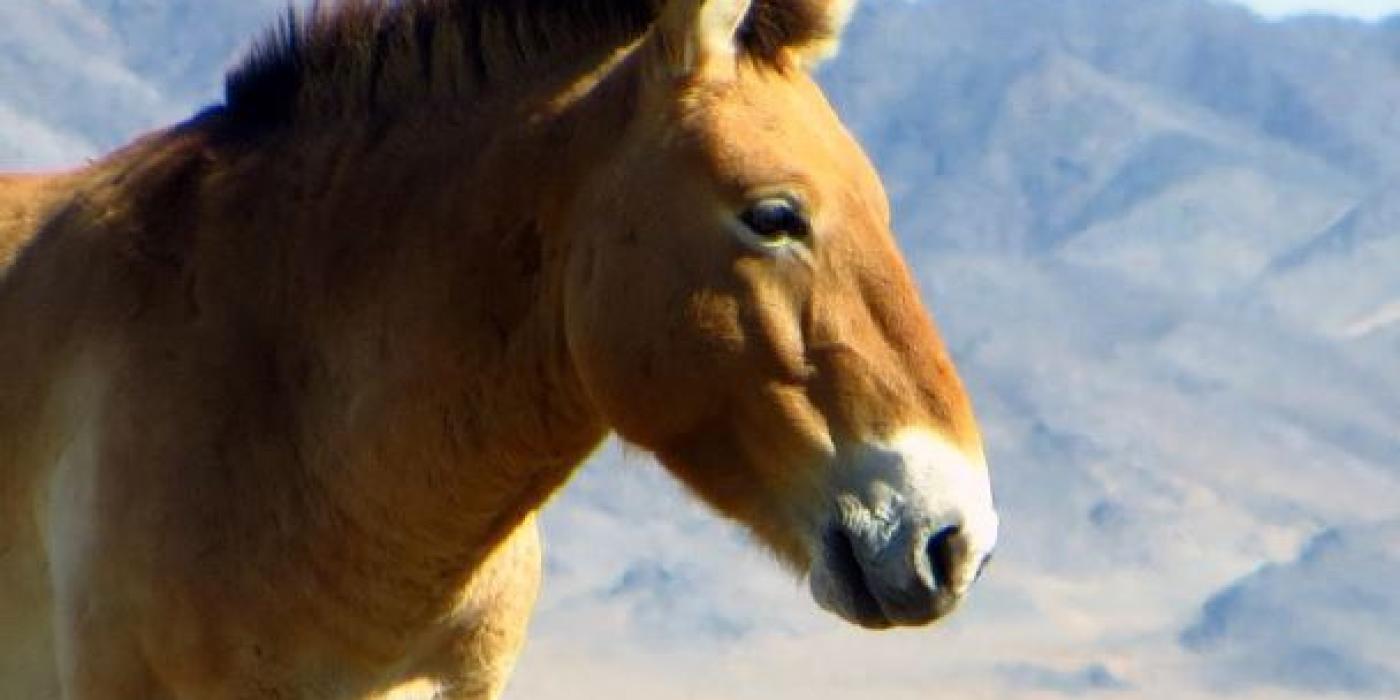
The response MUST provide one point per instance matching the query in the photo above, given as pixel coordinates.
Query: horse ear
(700, 35)
(817, 26)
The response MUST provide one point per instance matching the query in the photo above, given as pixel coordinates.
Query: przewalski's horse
(283, 386)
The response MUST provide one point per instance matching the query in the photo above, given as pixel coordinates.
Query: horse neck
(439, 404)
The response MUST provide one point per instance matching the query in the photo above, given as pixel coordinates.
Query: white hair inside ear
(701, 35)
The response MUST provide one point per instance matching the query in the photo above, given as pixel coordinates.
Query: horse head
(737, 305)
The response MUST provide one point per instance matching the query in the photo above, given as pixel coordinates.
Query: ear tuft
(808, 31)
(706, 35)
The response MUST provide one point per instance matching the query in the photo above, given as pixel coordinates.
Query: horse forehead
(776, 119)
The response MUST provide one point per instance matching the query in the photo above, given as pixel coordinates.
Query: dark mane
(367, 56)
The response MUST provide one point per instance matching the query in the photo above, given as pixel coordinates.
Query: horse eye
(776, 220)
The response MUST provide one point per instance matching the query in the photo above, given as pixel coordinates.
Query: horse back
(26, 202)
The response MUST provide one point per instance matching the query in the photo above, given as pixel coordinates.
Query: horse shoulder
(52, 386)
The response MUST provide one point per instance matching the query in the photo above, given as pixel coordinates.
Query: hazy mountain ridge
(1251, 627)
(1162, 238)
(1171, 291)
(82, 76)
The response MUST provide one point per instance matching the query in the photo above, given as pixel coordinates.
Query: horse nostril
(943, 551)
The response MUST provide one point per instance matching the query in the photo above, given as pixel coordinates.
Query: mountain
(1163, 240)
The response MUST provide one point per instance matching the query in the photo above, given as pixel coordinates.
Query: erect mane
(368, 56)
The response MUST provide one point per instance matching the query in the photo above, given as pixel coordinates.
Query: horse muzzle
(914, 528)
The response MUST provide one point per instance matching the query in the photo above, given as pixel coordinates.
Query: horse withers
(284, 385)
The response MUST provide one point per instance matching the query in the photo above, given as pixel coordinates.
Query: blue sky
(1368, 9)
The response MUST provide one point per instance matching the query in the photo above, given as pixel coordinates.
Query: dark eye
(776, 221)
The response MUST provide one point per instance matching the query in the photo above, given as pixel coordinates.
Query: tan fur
(278, 402)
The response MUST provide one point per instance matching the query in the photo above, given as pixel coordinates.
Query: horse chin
(839, 586)
(842, 585)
